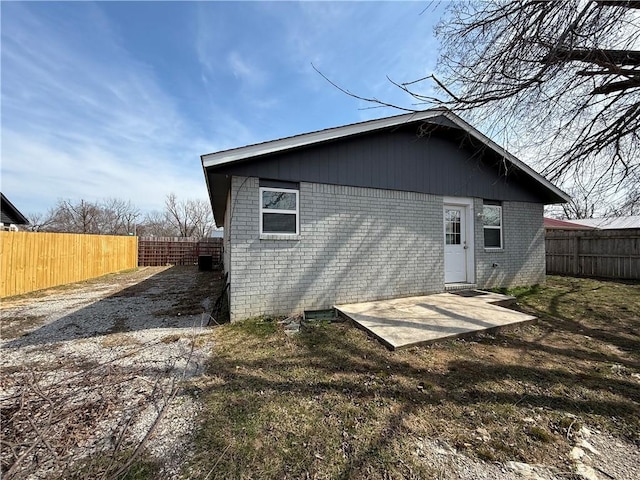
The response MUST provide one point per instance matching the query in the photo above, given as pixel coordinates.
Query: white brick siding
(355, 244)
(521, 261)
(359, 244)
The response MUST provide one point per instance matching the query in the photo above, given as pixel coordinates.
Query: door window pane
(452, 215)
(452, 227)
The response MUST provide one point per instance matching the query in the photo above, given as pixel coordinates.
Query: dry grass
(333, 403)
(114, 340)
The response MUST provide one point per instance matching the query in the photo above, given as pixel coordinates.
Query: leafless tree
(587, 200)
(560, 76)
(78, 217)
(566, 71)
(114, 216)
(630, 204)
(177, 214)
(190, 218)
(118, 217)
(109, 217)
(39, 222)
(202, 217)
(155, 224)
(580, 206)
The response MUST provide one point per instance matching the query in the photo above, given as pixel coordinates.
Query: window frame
(268, 211)
(492, 227)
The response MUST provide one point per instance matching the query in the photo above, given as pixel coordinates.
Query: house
(10, 215)
(555, 224)
(400, 206)
(608, 223)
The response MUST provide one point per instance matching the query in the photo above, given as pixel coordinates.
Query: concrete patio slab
(410, 321)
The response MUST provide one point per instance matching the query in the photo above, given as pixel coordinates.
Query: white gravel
(603, 458)
(105, 357)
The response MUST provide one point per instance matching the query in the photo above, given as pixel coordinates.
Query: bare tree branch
(558, 79)
(189, 218)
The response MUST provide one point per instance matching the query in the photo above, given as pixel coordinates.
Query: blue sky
(120, 99)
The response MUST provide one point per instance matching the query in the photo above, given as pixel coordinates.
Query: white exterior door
(455, 244)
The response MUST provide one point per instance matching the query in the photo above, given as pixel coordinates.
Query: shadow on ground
(150, 298)
(333, 403)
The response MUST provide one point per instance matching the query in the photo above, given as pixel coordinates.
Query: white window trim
(493, 227)
(273, 210)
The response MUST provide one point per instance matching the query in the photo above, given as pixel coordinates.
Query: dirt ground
(120, 378)
(93, 373)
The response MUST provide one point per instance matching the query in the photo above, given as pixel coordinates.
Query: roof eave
(22, 220)
(251, 151)
(512, 158)
(273, 146)
(206, 179)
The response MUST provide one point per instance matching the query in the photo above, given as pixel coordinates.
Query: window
(492, 226)
(279, 211)
(452, 233)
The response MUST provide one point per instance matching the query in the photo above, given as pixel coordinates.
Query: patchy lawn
(333, 403)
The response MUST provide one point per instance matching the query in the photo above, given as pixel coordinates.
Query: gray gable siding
(441, 163)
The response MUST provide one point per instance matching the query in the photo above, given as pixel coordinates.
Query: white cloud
(36, 175)
(82, 123)
(358, 45)
(240, 68)
(83, 116)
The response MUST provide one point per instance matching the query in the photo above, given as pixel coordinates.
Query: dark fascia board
(218, 187)
(226, 157)
(12, 211)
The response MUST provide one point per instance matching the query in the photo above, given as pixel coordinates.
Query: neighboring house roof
(610, 223)
(218, 165)
(10, 214)
(555, 224)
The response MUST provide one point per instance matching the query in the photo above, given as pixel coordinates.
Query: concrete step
(453, 287)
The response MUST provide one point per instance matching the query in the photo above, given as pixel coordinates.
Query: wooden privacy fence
(32, 261)
(594, 253)
(157, 251)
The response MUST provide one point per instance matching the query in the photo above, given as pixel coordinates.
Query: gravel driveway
(93, 374)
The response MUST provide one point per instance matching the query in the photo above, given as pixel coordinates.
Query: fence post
(576, 255)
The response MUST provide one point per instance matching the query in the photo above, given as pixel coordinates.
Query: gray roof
(609, 223)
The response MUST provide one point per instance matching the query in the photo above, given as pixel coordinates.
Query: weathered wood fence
(32, 261)
(157, 251)
(594, 253)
